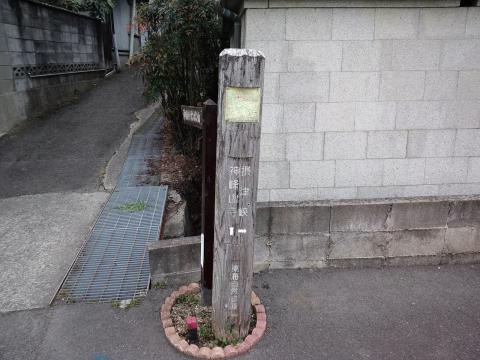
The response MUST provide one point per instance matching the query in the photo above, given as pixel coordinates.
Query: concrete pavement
(39, 238)
(51, 187)
(394, 313)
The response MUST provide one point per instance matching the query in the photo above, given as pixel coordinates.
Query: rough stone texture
(441, 85)
(462, 240)
(299, 117)
(272, 147)
(362, 245)
(304, 174)
(353, 24)
(386, 144)
(442, 23)
(272, 119)
(308, 24)
(402, 85)
(396, 23)
(305, 146)
(375, 116)
(273, 174)
(175, 261)
(366, 55)
(403, 172)
(467, 143)
(335, 117)
(464, 214)
(299, 220)
(420, 115)
(303, 87)
(174, 222)
(409, 67)
(359, 218)
(314, 56)
(416, 54)
(32, 34)
(358, 172)
(418, 216)
(292, 194)
(421, 232)
(345, 145)
(446, 170)
(430, 143)
(416, 243)
(354, 86)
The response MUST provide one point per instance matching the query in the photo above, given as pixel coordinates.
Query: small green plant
(133, 303)
(189, 299)
(134, 206)
(160, 285)
(206, 332)
(115, 304)
(222, 342)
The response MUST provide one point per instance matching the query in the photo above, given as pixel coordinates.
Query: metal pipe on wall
(132, 29)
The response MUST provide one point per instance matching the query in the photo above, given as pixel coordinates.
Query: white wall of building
(367, 102)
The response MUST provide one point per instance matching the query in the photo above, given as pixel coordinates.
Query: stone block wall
(342, 234)
(368, 234)
(37, 44)
(367, 102)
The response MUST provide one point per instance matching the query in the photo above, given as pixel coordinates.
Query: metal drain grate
(142, 148)
(144, 144)
(135, 172)
(113, 264)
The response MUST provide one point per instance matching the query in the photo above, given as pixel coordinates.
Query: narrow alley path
(68, 150)
(51, 190)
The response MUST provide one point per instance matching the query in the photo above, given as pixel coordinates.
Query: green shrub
(96, 8)
(179, 62)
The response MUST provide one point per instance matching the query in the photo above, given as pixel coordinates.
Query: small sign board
(193, 115)
(242, 104)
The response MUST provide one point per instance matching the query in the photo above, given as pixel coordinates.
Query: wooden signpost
(238, 142)
(205, 117)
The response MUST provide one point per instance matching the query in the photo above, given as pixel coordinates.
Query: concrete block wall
(368, 234)
(342, 234)
(8, 113)
(32, 34)
(369, 102)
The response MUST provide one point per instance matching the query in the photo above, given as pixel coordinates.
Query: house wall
(372, 102)
(121, 17)
(43, 40)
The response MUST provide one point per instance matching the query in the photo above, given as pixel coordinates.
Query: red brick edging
(204, 352)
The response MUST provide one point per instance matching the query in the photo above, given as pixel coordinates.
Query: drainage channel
(113, 262)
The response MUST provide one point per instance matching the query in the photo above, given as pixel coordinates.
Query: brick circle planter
(217, 352)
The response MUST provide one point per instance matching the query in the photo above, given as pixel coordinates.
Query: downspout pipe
(132, 29)
(235, 18)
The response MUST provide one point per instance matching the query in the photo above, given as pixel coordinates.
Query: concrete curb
(217, 352)
(116, 162)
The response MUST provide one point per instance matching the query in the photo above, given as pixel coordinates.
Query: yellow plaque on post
(242, 104)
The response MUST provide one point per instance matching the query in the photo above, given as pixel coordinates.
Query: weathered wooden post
(205, 118)
(209, 145)
(238, 144)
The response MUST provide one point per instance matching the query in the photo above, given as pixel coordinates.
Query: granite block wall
(367, 102)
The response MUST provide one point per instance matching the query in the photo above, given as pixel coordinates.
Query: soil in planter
(180, 172)
(189, 305)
